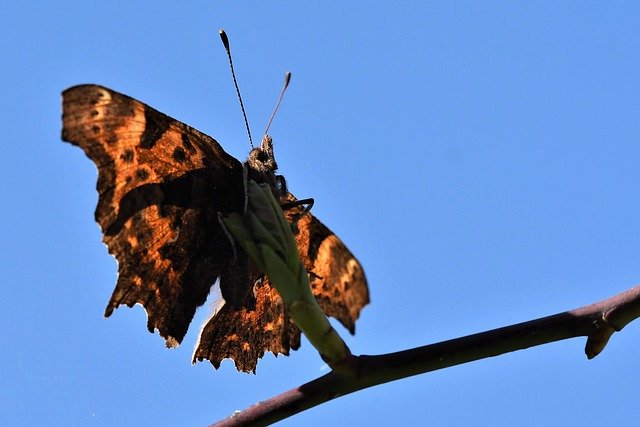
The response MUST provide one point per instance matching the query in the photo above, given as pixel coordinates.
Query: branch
(596, 321)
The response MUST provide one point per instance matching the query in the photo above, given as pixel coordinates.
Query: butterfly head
(261, 159)
(262, 167)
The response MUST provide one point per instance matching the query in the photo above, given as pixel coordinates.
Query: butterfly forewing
(160, 186)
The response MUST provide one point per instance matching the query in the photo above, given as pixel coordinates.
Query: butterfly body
(162, 186)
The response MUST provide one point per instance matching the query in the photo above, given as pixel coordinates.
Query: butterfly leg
(290, 205)
(302, 207)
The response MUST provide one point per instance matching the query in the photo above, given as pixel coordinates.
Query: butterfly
(162, 186)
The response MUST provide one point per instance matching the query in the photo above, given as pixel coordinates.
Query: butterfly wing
(245, 334)
(337, 281)
(160, 186)
(337, 278)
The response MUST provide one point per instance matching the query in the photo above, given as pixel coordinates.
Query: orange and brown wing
(244, 335)
(337, 278)
(337, 281)
(161, 185)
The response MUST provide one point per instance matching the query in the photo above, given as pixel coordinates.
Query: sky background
(481, 161)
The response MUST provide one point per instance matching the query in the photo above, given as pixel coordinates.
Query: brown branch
(596, 321)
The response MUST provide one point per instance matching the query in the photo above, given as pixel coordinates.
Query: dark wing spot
(164, 211)
(179, 154)
(156, 124)
(95, 129)
(142, 174)
(143, 235)
(95, 97)
(127, 156)
(186, 142)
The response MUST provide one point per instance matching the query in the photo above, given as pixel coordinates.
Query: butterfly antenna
(225, 42)
(287, 79)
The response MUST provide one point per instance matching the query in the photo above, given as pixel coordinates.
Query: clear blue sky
(481, 161)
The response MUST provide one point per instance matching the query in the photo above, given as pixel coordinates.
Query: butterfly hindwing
(337, 281)
(244, 335)
(337, 278)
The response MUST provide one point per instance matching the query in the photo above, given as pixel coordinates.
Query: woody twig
(597, 322)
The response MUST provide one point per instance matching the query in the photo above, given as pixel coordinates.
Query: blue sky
(480, 160)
